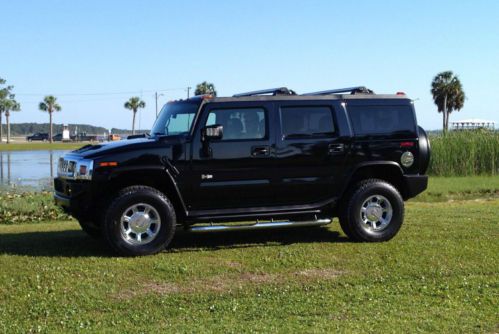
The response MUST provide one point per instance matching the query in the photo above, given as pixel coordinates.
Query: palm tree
(9, 105)
(205, 88)
(50, 105)
(134, 104)
(4, 94)
(448, 95)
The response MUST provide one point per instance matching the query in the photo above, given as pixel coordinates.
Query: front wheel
(90, 228)
(140, 221)
(373, 211)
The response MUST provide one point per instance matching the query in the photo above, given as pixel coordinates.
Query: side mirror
(210, 132)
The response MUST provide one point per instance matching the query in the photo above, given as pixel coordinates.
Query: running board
(258, 226)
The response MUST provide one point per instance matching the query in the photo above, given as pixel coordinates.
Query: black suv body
(271, 157)
(38, 136)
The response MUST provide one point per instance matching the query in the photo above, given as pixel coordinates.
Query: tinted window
(239, 123)
(381, 119)
(306, 121)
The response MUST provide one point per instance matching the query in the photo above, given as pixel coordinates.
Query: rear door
(310, 152)
(237, 173)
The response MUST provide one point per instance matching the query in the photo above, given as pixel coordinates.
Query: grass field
(30, 146)
(439, 274)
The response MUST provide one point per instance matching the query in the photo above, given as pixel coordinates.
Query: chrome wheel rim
(140, 224)
(376, 213)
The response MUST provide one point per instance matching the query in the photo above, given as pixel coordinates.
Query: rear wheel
(140, 221)
(373, 211)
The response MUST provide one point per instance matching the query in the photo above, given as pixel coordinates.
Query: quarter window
(247, 123)
(367, 120)
(311, 121)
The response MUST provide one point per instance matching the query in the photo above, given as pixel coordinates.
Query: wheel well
(154, 179)
(389, 173)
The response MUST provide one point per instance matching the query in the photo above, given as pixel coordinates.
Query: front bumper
(74, 197)
(414, 185)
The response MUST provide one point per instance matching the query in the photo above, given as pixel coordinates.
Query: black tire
(90, 228)
(131, 196)
(350, 211)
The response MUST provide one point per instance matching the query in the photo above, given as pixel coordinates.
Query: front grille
(66, 168)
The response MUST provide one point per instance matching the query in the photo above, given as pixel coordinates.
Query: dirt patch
(325, 273)
(228, 282)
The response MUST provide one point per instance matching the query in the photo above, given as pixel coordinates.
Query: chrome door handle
(260, 151)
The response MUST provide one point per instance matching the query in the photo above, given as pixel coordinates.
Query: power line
(103, 93)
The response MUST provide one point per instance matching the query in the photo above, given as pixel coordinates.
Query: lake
(29, 169)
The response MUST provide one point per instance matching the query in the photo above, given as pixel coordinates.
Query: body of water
(29, 169)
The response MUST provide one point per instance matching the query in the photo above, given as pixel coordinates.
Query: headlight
(75, 168)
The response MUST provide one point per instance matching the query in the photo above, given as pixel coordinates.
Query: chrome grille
(66, 168)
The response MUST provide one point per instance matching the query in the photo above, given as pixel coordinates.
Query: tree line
(23, 129)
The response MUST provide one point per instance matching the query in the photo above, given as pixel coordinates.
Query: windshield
(175, 119)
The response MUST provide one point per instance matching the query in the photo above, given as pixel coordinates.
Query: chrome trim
(69, 168)
(258, 226)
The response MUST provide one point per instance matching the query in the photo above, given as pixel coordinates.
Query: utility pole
(156, 96)
(188, 90)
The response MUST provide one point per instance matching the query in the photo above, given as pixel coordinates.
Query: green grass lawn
(439, 274)
(30, 146)
(450, 188)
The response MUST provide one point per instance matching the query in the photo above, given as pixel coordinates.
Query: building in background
(473, 124)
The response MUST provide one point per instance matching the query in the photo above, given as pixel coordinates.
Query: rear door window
(307, 121)
(376, 120)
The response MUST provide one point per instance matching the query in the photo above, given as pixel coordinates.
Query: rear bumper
(414, 185)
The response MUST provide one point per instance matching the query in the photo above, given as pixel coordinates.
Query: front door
(234, 171)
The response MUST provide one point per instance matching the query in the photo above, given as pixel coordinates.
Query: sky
(94, 55)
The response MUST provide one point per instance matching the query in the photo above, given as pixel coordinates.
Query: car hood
(128, 145)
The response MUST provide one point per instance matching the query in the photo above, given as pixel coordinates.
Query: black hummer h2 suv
(263, 159)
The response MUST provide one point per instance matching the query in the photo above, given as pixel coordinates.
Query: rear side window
(373, 120)
(300, 122)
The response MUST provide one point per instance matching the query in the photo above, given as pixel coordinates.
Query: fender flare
(391, 164)
(169, 179)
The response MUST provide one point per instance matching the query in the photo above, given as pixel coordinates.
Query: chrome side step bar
(258, 226)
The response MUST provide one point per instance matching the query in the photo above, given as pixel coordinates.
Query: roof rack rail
(273, 91)
(351, 90)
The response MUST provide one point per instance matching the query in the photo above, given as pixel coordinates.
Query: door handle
(260, 151)
(336, 148)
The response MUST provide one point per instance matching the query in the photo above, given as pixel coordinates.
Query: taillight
(407, 144)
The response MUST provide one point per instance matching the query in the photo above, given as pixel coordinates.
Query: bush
(28, 207)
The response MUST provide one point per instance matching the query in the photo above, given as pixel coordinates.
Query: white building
(473, 123)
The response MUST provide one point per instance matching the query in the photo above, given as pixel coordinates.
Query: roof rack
(273, 91)
(351, 90)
